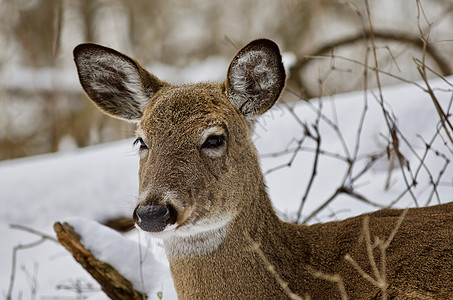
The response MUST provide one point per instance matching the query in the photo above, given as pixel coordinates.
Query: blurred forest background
(326, 42)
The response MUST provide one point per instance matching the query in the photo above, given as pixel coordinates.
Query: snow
(87, 186)
(416, 117)
(125, 256)
(94, 183)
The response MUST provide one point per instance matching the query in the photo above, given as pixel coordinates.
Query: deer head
(198, 166)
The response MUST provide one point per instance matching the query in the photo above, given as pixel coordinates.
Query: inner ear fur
(116, 83)
(256, 77)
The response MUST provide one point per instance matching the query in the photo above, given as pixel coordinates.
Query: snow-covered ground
(100, 182)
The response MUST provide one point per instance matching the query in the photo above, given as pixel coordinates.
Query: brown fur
(203, 185)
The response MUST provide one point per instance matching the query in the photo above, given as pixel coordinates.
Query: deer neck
(228, 256)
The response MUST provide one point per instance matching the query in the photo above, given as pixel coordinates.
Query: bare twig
(322, 152)
(140, 253)
(283, 284)
(369, 249)
(322, 206)
(368, 34)
(379, 277)
(235, 45)
(317, 138)
(34, 231)
(32, 279)
(371, 68)
(43, 237)
(360, 270)
(291, 160)
(446, 124)
(332, 278)
(14, 263)
(421, 67)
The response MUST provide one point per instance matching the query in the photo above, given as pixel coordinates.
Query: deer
(202, 192)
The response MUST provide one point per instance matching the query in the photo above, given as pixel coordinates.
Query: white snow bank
(96, 182)
(145, 272)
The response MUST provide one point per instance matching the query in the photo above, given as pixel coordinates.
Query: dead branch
(33, 231)
(378, 277)
(284, 285)
(317, 139)
(112, 282)
(14, 263)
(332, 278)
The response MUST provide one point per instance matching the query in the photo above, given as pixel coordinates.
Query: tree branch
(113, 283)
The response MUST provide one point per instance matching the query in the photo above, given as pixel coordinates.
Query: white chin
(168, 231)
(192, 230)
(198, 239)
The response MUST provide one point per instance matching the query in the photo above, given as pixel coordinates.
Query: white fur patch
(257, 64)
(199, 239)
(251, 78)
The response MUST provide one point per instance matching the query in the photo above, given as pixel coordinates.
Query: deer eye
(139, 141)
(214, 141)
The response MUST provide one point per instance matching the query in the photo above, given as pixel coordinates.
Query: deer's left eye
(139, 141)
(214, 141)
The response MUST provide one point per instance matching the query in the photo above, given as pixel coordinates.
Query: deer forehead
(188, 109)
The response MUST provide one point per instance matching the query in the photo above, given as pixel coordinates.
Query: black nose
(153, 218)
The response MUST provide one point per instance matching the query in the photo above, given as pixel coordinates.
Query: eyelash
(142, 144)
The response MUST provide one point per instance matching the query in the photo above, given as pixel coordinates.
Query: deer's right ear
(116, 83)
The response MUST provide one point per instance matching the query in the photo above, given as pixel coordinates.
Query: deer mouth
(154, 218)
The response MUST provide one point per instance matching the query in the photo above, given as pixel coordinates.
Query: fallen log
(115, 285)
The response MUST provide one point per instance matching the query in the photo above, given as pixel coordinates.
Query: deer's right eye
(139, 141)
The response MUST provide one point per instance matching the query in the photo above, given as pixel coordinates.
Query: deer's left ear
(256, 78)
